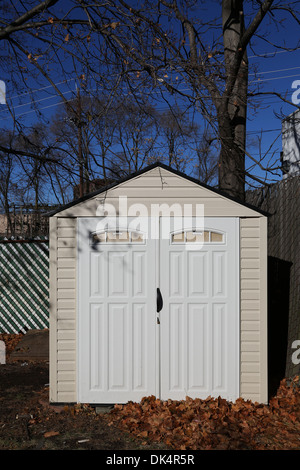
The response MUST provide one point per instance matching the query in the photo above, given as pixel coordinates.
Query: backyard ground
(29, 422)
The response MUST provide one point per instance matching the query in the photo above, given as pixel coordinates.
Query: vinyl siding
(63, 310)
(253, 308)
(158, 187)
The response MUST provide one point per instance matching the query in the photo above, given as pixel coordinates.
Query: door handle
(159, 300)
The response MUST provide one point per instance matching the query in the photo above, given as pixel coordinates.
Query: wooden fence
(282, 201)
(24, 285)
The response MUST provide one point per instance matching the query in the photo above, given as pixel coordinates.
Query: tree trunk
(232, 113)
(231, 164)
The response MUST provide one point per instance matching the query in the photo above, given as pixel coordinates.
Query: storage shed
(158, 286)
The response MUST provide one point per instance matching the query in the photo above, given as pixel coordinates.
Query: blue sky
(277, 71)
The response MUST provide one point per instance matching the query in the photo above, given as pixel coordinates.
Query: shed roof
(145, 170)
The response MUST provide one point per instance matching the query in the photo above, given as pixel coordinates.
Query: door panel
(176, 274)
(116, 318)
(197, 274)
(199, 321)
(97, 343)
(220, 348)
(197, 348)
(219, 274)
(176, 347)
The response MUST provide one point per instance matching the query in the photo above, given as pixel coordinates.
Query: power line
(42, 99)
(59, 103)
(274, 71)
(43, 88)
(272, 78)
(180, 90)
(248, 132)
(207, 65)
(33, 110)
(264, 54)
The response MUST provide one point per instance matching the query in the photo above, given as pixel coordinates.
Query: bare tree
(171, 44)
(177, 131)
(36, 52)
(160, 49)
(207, 151)
(6, 182)
(135, 136)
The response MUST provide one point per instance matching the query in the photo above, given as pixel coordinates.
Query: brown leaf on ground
(215, 423)
(11, 340)
(51, 434)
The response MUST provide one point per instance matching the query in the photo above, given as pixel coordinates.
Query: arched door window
(118, 236)
(198, 236)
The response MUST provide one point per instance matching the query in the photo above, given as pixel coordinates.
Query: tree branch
(243, 43)
(21, 21)
(13, 151)
(250, 31)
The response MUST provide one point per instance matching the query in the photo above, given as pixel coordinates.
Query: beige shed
(158, 286)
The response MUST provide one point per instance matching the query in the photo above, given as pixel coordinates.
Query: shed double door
(157, 315)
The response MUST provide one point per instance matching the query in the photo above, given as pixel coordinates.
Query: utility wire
(207, 65)
(274, 71)
(40, 89)
(41, 99)
(264, 54)
(272, 78)
(181, 90)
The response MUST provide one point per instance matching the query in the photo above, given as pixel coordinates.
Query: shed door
(116, 313)
(199, 321)
(127, 349)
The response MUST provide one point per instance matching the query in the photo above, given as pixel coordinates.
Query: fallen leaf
(215, 423)
(51, 434)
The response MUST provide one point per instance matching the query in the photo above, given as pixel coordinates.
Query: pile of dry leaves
(215, 423)
(11, 340)
(195, 424)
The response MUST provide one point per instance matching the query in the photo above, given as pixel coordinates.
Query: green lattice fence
(24, 285)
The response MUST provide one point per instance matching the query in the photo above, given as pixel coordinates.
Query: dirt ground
(28, 422)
